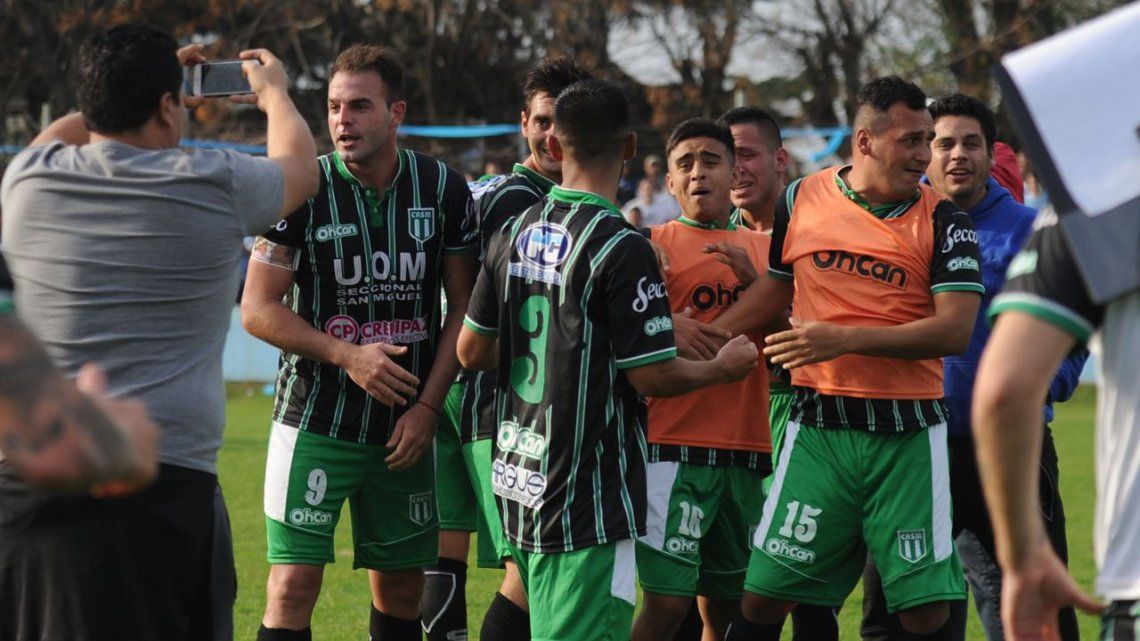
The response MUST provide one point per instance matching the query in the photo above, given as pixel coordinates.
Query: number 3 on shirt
(528, 372)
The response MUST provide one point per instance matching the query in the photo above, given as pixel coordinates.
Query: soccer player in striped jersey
(365, 365)
(885, 280)
(463, 443)
(571, 303)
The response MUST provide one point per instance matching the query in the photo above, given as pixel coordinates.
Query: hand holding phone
(219, 78)
(266, 76)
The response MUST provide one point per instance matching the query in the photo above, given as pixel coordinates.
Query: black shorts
(154, 565)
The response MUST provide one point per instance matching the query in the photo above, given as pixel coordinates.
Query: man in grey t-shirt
(124, 252)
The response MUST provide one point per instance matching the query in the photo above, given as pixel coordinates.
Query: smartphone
(221, 78)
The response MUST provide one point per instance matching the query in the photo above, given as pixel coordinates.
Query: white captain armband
(270, 253)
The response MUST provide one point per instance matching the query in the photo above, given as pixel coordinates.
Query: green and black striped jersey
(369, 270)
(574, 295)
(496, 200)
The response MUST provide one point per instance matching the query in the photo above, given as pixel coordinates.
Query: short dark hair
(123, 74)
(591, 119)
(551, 77)
(959, 104)
(883, 93)
(382, 61)
(762, 119)
(699, 128)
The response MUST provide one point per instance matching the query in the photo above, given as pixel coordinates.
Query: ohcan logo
(523, 441)
(309, 516)
(707, 296)
(681, 545)
(962, 262)
(658, 324)
(544, 245)
(862, 266)
(780, 547)
(343, 327)
(332, 232)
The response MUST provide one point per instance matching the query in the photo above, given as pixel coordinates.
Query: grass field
(342, 612)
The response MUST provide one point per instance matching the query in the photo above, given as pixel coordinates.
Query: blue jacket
(1003, 225)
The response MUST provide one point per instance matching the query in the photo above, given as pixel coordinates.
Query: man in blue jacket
(962, 155)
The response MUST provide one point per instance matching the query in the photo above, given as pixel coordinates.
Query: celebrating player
(962, 159)
(885, 281)
(464, 478)
(709, 450)
(571, 303)
(365, 366)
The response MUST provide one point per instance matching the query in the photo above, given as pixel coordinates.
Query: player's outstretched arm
(697, 340)
(759, 306)
(58, 435)
(1014, 376)
(264, 316)
(677, 376)
(946, 332)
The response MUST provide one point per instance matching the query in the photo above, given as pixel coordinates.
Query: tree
(831, 40)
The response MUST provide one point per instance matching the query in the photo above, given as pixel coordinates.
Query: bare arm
(760, 305)
(55, 435)
(678, 376)
(477, 351)
(264, 315)
(946, 332)
(289, 141)
(1014, 375)
(1017, 366)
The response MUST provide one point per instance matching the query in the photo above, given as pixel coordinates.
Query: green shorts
(583, 595)
(457, 507)
(698, 528)
(491, 543)
(463, 482)
(838, 495)
(780, 401)
(395, 524)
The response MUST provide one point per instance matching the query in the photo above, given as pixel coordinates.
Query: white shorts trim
(940, 487)
(660, 477)
(773, 499)
(278, 463)
(623, 585)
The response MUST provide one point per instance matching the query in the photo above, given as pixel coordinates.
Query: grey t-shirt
(128, 257)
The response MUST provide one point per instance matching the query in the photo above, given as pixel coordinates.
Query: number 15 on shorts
(799, 528)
